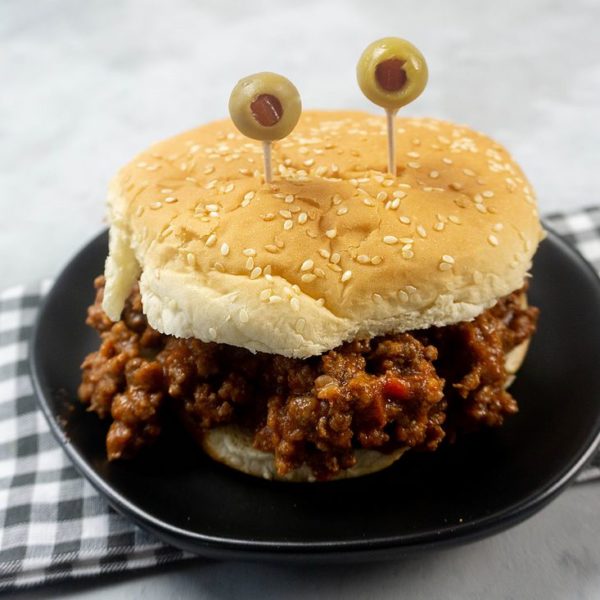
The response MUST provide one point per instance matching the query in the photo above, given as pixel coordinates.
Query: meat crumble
(408, 389)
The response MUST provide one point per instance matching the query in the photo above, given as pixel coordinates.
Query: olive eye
(265, 106)
(391, 72)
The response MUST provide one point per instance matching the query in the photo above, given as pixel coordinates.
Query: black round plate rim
(210, 545)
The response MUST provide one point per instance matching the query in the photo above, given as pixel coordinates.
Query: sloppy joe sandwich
(320, 325)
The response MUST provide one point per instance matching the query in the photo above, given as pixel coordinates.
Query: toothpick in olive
(266, 107)
(391, 72)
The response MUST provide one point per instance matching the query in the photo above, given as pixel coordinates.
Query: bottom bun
(232, 446)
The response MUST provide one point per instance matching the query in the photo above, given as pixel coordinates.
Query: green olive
(265, 106)
(391, 72)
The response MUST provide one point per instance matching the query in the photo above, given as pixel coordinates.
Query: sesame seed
(376, 260)
(211, 184)
(229, 188)
(346, 275)
(210, 241)
(320, 171)
(335, 268)
(456, 186)
(448, 161)
(335, 258)
(395, 203)
(439, 226)
(414, 165)
(166, 191)
(156, 205)
(363, 259)
(403, 296)
(264, 295)
(434, 174)
(219, 267)
(309, 162)
(444, 266)
(267, 270)
(138, 211)
(382, 196)
(413, 154)
(209, 169)
(454, 219)
(212, 333)
(302, 218)
(421, 231)
(249, 195)
(377, 298)
(331, 233)
(488, 194)
(404, 219)
(286, 214)
(256, 272)
(481, 208)
(324, 253)
(243, 315)
(224, 248)
(308, 277)
(170, 200)
(249, 252)
(493, 240)
(368, 202)
(337, 199)
(447, 258)
(191, 259)
(469, 173)
(267, 216)
(300, 325)
(411, 289)
(390, 239)
(274, 299)
(289, 198)
(307, 265)
(288, 224)
(295, 304)
(279, 243)
(498, 227)
(342, 211)
(212, 207)
(407, 254)
(399, 194)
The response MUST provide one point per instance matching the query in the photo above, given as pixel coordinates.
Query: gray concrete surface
(84, 85)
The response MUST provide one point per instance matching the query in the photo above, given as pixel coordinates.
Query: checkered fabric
(53, 524)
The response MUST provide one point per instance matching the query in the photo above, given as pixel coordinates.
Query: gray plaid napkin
(53, 524)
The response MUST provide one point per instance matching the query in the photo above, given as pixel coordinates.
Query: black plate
(481, 485)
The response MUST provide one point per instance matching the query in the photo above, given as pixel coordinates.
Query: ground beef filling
(408, 389)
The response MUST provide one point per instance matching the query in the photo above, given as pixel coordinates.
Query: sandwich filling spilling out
(410, 389)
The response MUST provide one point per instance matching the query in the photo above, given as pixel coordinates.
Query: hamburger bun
(332, 250)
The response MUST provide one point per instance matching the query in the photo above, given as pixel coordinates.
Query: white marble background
(86, 84)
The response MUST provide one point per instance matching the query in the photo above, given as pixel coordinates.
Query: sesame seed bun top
(334, 248)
